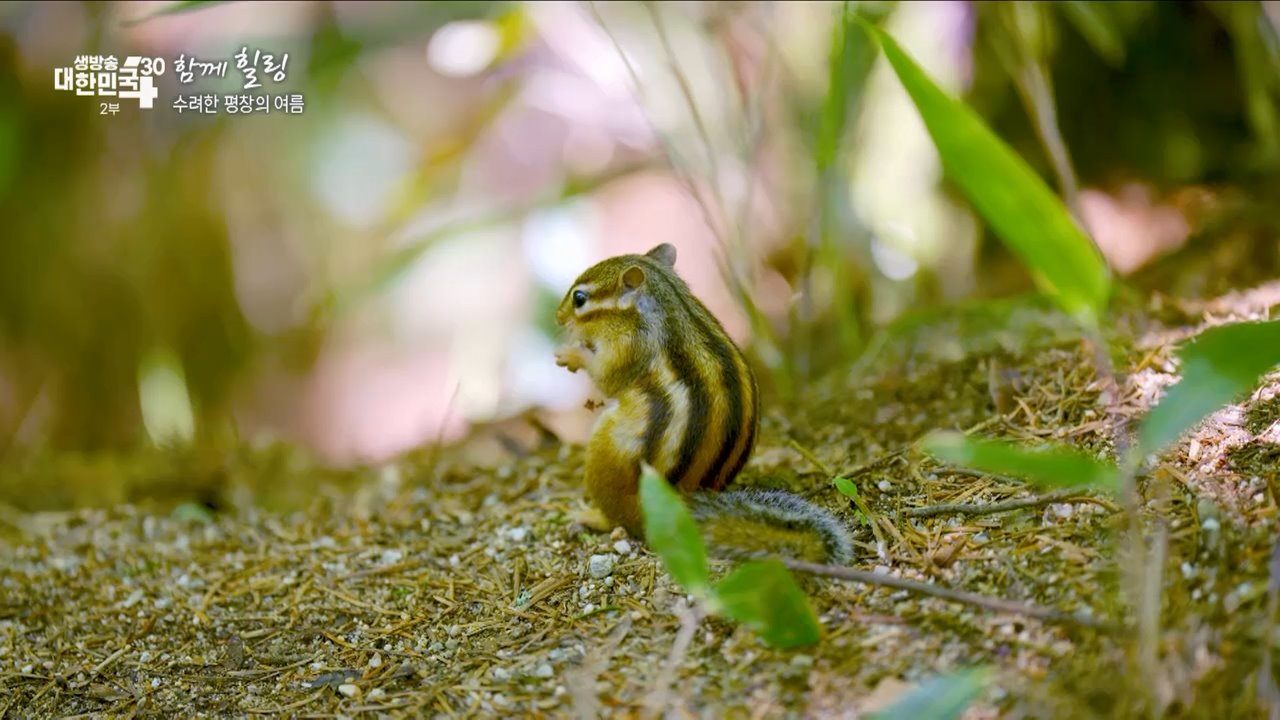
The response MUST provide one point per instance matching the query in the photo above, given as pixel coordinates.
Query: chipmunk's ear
(633, 277)
(664, 253)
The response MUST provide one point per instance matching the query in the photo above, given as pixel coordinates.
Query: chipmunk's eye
(579, 298)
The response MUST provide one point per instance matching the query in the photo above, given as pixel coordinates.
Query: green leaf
(173, 8)
(671, 532)
(1008, 194)
(1095, 25)
(763, 596)
(1050, 465)
(847, 488)
(1217, 367)
(941, 698)
(191, 512)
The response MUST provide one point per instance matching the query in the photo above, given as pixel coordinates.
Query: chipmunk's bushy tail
(740, 523)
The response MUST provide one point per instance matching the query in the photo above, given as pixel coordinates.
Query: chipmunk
(680, 396)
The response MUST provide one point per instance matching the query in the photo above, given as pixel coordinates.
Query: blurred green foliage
(84, 297)
(945, 697)
(1167, 93)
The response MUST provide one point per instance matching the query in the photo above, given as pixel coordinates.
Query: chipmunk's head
(619, 287)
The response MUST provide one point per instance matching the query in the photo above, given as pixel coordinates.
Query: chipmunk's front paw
(571, 357)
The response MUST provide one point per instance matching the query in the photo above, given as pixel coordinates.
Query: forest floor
(436, 587)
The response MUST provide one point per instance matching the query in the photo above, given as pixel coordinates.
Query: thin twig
(581, 681)
(1064, 495)
(103, 665)
(660, 696)
(967, 598)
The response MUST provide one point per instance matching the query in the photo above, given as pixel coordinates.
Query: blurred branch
(1031, 78)
(668, 149)
(173, 9)
(699, 125)
(760, 328)
(402, 259)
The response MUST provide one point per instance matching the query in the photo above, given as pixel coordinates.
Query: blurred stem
(731, 239)
(1246, 23)
(686, 89)
(822, 249)
(1151, 601)
(403, 258)
(1037, 92)
(660, 695)
(1035, 87)
(1142, 576)
(763, 334)
(27, 418)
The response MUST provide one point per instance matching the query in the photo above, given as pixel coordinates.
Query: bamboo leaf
(941, 698)
(1217, 366)
(1055, 466)
(1007, 193)
(763, 596)
(672, 533)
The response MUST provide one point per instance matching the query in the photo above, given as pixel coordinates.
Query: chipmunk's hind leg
(613, 483)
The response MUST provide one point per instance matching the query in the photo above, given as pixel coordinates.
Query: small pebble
(518, 534)
(622, 547)
(884, 485)
(377, 693)
(375, 661)
(349, 690)
(600, 566)
(543, 671)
